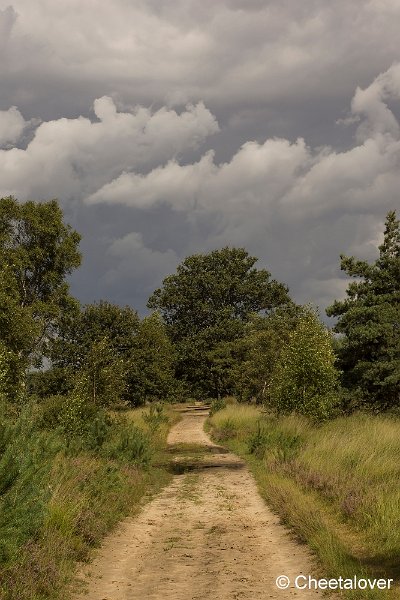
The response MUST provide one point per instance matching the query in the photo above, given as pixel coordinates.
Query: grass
(336, 485)
(59, 498)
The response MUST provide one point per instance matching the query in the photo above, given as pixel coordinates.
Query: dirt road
(208, 535)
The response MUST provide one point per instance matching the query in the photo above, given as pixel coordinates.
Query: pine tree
(369, 319)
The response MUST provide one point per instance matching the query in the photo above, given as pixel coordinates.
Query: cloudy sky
(171, 127)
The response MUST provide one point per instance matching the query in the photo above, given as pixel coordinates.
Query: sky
(169, 128)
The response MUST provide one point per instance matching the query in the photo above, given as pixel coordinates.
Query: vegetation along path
(207, 535)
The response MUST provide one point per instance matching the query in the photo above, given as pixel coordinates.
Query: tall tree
(151, 375)
(369, 320)
(206, 304)
(37, 251)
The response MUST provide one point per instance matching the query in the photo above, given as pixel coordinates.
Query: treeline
(220, 327)
(237, 332)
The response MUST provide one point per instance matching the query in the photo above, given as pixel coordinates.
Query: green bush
(216, 405)
(129, 444)
(155, 417)
(305, 379)
(26, 456)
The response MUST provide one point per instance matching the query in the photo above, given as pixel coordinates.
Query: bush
(155, 417)
(216, 405)
(25, 464)
(305, 379)
(129, 444)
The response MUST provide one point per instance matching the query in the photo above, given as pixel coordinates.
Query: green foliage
(50, 382)
(116, 357)
(369, 320)
(84, 327)
(155, 417)
(4, 368)
(305, 379)
(130, 445)
(96, 345)
(25, 462)
(103, 375)
(205, 305)
(258, 351)
(216, 405)
(76, 413)
(37, 251)
(280, 445)
(151, 370)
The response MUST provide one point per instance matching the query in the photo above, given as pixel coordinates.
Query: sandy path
(208, 535)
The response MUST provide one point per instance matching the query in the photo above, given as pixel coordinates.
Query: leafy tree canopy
(369, 319)
(258, 351)
(37, 251)
(84, 327)
(208, 289)
(205, 305)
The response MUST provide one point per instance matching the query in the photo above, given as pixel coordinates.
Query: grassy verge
(336, 485)
(59, 496)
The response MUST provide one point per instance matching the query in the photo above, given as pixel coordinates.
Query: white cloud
(12, 124)
(279, 176)
(70, 158)
(371, 103)
(285, 201)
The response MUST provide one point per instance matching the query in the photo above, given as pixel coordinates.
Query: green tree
(151, 373)
(305, 379)
(104, 373)
(258, 351)
(37, 252)
(98, 343)
(85, 326)
(369, 321)
(205, 305)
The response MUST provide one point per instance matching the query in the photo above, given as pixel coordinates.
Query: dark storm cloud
(172, 127)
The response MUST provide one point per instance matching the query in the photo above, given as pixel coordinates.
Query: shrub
(129, 444)
(25, 464)
(155, 417)
(216, 405)
(305, 379)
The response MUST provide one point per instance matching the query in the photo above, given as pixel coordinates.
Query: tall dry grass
(337, 485)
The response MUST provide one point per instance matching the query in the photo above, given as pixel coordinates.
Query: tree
(258, 351)
(369, 321)
(151, 374)
(113, 355)
(97, 343)
(37, 252)
(85, 326)
(305, 379)
(206, 304)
